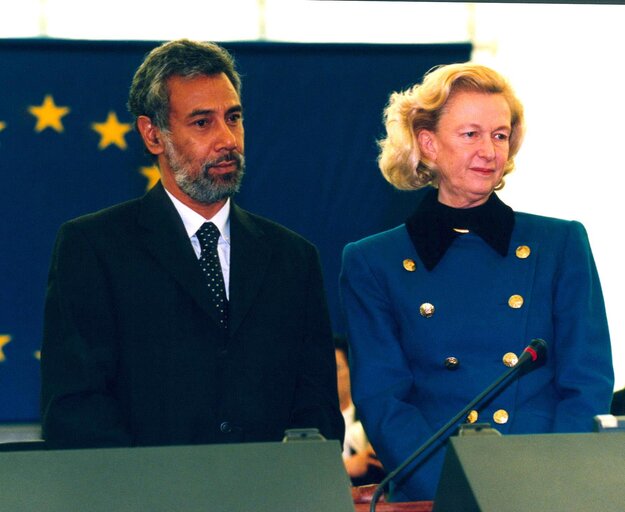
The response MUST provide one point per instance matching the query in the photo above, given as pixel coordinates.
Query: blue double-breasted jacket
(485, 305)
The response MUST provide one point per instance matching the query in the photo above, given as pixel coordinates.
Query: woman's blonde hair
(421, 106)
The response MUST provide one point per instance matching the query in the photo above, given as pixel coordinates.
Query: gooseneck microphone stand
(531, 356)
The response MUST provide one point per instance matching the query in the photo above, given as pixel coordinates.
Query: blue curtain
(313, 113)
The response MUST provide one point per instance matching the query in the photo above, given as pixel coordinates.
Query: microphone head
(534, 355)
(537, 350)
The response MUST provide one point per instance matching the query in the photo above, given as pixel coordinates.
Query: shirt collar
(431, 226)
(193, 221)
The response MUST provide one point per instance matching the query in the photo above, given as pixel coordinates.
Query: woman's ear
(151, 135)
(426, 140)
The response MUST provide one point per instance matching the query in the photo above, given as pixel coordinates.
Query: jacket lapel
(165, 238)
(250, 254)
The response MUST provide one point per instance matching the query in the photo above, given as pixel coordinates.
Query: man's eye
(235, 118)
(200, 122)
(501, 136)
(470, 134)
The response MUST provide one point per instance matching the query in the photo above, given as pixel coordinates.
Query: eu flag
(67, 147)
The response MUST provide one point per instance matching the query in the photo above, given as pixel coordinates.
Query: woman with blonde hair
(438, 307)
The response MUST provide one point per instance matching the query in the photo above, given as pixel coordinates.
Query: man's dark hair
(149, 95)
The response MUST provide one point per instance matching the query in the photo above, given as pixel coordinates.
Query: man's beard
(203, 186)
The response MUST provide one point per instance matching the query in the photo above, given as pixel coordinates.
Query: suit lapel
(250, 254)
(166, 239)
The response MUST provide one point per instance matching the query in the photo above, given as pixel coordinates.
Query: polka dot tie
(208, 236)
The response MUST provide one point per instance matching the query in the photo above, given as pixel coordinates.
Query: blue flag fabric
(313, 113)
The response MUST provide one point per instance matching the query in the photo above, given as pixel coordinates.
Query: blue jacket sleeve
(382, 383)
(584, 374)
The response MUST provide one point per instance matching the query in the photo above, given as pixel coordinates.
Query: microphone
(533, 356)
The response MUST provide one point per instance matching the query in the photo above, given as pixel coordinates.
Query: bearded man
(178, 317)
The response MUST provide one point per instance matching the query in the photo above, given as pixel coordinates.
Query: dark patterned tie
(208, 236)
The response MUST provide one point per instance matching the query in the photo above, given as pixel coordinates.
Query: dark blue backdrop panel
(313, 113)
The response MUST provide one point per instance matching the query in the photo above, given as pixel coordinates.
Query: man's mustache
(231, 156)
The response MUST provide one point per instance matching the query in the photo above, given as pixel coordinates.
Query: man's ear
(426, 141)
(151, 135)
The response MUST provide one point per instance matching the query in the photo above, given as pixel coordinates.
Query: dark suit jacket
(132, 353)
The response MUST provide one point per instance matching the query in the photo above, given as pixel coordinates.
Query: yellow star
(48, 115)
(152, 174)
(4, 339)
(112, 132)
(3, 125)
(37, 355)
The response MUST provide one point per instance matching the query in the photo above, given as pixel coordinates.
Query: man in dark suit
(152, 335)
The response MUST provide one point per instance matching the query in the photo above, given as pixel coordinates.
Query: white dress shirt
(193, 221)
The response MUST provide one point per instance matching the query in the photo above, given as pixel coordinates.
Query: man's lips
(224, 167)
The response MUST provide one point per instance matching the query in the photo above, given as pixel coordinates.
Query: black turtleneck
(431, 226)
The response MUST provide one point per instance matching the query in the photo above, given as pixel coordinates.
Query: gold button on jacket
(451, 363)
(501, 416)
(510, 359)
(426, 309)
(472, 416)
(409, 265)
(515, 301)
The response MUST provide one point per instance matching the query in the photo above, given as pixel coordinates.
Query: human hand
(357, 465)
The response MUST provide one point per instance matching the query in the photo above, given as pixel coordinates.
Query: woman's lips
(483, 170)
